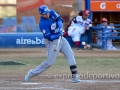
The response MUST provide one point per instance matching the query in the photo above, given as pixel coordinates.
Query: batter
(51, 27)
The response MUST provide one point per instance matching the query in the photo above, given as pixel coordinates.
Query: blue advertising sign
(26, 40)
(16, 40)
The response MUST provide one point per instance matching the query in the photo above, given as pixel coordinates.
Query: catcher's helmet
(103, 20)
(43, 9)
(86, 12)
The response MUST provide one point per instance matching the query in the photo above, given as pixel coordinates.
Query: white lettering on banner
(29, 41)
(33, 42)
(118, 6)
(103, 5)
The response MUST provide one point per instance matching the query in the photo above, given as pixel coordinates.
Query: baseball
(83, 43)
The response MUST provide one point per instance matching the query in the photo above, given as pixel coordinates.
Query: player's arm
(74, 21)
(56, 17)
(47, 35)
(90, 25)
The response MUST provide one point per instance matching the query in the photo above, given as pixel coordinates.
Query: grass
(84, 64)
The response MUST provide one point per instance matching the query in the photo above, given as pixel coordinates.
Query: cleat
(27, 77)
(76, 79)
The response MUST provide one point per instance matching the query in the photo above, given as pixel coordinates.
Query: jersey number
(56, 30)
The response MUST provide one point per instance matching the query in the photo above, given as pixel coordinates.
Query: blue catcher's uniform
(52, 29)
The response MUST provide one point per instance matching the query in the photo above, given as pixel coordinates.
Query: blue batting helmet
(43, 9)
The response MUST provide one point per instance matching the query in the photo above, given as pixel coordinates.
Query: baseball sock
(73, 69)
(66, 34)
(76, 43)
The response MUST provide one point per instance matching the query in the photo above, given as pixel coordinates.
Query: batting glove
(61, 32)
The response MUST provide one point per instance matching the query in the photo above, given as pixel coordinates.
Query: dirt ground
(15, 82)
(35, 52)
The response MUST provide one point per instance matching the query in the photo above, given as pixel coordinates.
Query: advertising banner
(105, 5)
(16, 40)
(29, 40)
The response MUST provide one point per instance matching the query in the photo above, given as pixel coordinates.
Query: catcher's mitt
(88, 47)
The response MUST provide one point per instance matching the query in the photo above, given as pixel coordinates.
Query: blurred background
(22, 15)
(66, 8)
(8, 8)
(69, 8)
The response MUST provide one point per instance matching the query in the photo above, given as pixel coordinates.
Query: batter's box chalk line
(30, 83)
(102, 81)
(44, 87)
(99, 81)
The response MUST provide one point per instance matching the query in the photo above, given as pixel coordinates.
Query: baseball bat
(58, 43)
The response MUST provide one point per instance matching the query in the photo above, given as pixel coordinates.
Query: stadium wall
(26, 40)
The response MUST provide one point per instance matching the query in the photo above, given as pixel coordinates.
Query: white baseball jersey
(77, 27)
(81, 23)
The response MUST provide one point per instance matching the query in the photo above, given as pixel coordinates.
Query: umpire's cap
(43, 9)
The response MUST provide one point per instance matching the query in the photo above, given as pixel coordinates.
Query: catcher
(78, 26)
